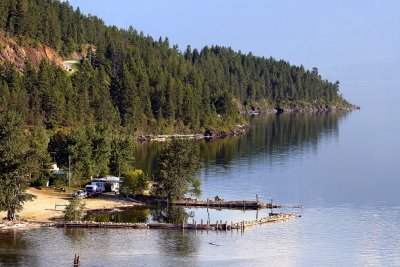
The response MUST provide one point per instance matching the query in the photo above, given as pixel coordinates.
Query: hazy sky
(345, 39)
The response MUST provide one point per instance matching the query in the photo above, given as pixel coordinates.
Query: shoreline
(298, 109)
(210, 134)
(42, 211)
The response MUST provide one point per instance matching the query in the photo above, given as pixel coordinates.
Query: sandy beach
(43, 207)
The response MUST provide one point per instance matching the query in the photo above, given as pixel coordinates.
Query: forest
(142, 84)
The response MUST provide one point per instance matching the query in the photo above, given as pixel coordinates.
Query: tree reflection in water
(272, 134)
(76, 234)
(130, 215)
(180, 243)
(13, 248)
(171, 215)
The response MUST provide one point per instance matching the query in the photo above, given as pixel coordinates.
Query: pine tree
(178, 163)
(14, 164)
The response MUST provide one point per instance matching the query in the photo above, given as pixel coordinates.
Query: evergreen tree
(14, 164)
(178, 163)
(39, 158)
(122, 155)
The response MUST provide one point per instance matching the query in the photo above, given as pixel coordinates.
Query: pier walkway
(219, 225)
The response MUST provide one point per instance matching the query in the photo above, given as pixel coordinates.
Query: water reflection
(142, 215)
(182, 245)
(171, 215)
(76, 235)
(11, 242)
(177, 215)
(129, 215)
(272, 135)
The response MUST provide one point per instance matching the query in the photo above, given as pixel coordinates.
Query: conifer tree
(14, 164)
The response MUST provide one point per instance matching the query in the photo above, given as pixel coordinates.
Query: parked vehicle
(80, 194)
(106, 184)
(92, 190)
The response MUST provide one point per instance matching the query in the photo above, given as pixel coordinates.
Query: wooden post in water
(226, 225)
(201, 222)
(257, 198)
(271, 208)
(244, 205)
(216, 226)
(77, 262)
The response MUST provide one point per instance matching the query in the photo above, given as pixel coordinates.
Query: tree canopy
(135, 182)
(178, 163)
(14, 164)
(132, 80)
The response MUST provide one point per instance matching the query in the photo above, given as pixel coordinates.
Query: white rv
(107, 184)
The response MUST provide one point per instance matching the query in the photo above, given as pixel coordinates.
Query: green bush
(135, 182)
(75, 210)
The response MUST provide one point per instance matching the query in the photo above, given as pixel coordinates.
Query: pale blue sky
(345, 39)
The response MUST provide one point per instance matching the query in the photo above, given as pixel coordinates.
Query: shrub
(75, 210)
(135, 182)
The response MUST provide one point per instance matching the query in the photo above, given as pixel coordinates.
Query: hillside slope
(18, 55)
(134, 81)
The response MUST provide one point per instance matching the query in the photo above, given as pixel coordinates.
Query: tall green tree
(14, 162)
(39, 157)
(177, 166)
(135, 182)
(122, 156)
(100, 138)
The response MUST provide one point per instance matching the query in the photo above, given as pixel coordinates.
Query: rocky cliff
(12, 51)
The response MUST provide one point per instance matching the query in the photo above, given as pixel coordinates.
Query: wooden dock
(215, 203)
(219, 225)
(231, 204)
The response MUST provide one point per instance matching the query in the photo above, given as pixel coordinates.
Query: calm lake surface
(344, 168)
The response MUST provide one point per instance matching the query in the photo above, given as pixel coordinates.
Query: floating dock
(218, 204)
(231, 204)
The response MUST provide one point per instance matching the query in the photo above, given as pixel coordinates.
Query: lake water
(344, 168)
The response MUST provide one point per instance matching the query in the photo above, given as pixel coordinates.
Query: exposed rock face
(11, 51)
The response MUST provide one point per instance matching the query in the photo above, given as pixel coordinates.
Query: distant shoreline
(215, 134)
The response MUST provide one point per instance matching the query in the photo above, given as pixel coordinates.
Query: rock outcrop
(11, 51)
